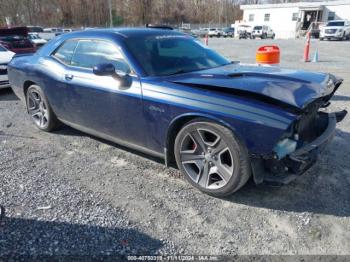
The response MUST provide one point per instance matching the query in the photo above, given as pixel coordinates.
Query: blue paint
(142, 112)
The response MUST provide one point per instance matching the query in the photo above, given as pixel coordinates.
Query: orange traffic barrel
(268, 54)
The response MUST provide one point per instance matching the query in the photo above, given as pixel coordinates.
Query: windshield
(257, 27)
(172, 54)
(339, 23)
(34, 37)
(2, 49)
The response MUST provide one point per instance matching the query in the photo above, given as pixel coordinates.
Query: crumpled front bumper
(285, 170)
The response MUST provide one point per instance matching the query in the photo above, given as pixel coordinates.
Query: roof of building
(299, 4)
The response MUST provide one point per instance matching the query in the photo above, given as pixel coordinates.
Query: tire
(211, 158)
(273, 36)
(321, 39)
(40, 110)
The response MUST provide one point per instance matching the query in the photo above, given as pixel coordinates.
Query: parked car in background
(5, 58)
(196, 32)
(187, 31)
(50, 33)
(214, 32)
(202, 32)
(263, 32)
(37, 40)
(53, 30)
(337, 29)
(16, 40)
(244, 31)
(35, 29)
(166, 94)
(228, 32)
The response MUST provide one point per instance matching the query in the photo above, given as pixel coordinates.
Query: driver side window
(89, 53)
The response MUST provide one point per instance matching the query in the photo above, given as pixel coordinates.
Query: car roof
(9, 31)
(128, 32)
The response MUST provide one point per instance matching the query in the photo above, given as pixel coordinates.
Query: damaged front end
(301, 144)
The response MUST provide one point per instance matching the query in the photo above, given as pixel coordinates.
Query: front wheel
(39, 109)
(211, 158)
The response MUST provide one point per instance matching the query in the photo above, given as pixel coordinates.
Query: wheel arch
(26, 85)
(180, 121)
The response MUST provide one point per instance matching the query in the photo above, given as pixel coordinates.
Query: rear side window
(65, 52)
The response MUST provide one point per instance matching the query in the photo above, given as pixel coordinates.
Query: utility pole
(110, 13)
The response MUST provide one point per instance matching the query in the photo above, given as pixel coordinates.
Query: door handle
(68, 77)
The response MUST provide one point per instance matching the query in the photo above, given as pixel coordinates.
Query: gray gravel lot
(69, 193)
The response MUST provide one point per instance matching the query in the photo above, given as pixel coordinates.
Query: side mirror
(105, 69)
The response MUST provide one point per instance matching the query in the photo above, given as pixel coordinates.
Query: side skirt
(113, 139)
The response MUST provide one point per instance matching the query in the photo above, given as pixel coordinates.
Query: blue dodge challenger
(166, 94)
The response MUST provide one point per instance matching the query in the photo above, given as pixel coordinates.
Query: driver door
(104, 104)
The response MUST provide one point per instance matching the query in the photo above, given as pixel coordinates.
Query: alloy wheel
(38, 109)
(206, 158)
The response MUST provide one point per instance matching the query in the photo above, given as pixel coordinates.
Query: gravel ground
(67, 193)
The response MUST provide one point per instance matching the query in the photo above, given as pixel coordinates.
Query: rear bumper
(295, 164)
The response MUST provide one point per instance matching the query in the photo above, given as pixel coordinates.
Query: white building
(292, 20)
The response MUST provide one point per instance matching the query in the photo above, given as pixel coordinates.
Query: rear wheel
(211, 158)
(39, 109)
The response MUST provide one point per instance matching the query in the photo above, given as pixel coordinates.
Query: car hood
(292, 87)
(6, 56)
